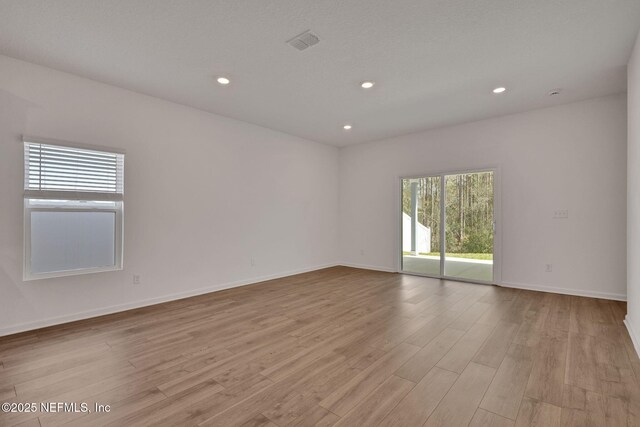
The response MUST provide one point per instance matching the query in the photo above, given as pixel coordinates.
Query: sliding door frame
(497, 220)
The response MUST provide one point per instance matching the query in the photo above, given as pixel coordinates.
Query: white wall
(633, 197)
(203, 195)
(566, 157)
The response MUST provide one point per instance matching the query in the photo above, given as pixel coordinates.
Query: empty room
(320, 213)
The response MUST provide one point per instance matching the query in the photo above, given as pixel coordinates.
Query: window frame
(68, 201)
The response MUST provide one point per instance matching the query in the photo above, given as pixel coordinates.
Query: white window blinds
(60, 172)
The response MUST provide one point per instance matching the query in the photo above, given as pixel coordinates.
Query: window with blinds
(73, 204)
(53, 171)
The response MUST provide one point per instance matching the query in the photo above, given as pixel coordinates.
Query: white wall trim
(632, 334)
(52, 321)
(565, 291)
(368, 267)
(540, 288)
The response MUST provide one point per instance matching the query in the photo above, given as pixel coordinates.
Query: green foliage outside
(468, 207)
(451, 255)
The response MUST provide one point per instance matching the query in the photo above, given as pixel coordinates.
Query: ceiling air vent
(304, 40)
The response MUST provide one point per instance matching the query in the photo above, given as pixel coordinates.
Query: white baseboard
(632, 333)
(367, 267)
(540, 288)
(23, 327)
(52, 321)
(565, 291)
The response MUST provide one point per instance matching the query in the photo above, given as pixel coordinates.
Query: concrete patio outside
(464, 268)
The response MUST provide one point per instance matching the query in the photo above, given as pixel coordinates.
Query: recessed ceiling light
(223, 81)
(499, 89)
(367, 84)
(346, 127)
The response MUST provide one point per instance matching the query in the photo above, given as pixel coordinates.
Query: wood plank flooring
(339, 346)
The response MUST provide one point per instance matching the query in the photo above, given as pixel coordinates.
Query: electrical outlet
(548, 268)
(136, 279)
(361, 251)
(252, 261)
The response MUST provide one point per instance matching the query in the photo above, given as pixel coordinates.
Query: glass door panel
(421, 216)
(453, 212)
(469, 226)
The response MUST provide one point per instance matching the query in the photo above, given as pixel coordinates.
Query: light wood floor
(342, 347)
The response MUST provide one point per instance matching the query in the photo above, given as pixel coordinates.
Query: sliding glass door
(421, 208)
(448, 226)
(469, 225)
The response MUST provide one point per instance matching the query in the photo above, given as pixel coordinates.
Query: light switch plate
(561, 214)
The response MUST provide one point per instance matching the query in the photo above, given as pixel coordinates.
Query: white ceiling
(435, 62)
